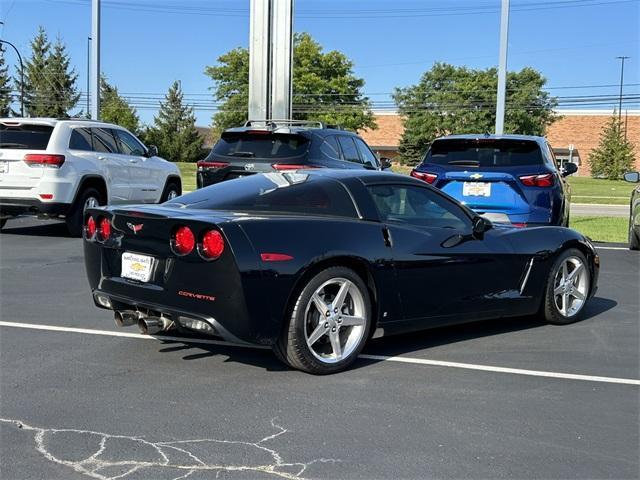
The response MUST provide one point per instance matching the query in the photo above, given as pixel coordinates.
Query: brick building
(580, 128)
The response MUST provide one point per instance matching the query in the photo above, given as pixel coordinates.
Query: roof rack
(275, 124)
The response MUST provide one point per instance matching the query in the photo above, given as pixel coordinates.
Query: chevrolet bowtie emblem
(135, 228)
(476, 176)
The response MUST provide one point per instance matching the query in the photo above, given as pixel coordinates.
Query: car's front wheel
(567, 287)
(329, 323)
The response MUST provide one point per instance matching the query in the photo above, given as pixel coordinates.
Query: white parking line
(381, 358)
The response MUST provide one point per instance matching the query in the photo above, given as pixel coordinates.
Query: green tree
(450, 100)
(50, 82)
(62, 82)
(5, 87)
(174, 131)
(614, 154)
(324, 87)
(115, 109)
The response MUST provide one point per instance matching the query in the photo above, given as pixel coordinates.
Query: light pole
(502, 67)
(95, 59)
(622, 59)
(21, 76)
(88, 74)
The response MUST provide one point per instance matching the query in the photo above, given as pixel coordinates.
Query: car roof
(367, 177)
(298, 127)
(54, 121)
(488, 136)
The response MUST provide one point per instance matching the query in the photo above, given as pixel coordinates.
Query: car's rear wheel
(171, 191)
(89, 198)
(634, 241)
(329, 323)
(567, 288)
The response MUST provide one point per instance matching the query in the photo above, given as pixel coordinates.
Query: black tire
(634, 241)
(3, 222)
(551, 310)
(171, 190)
(292, 346)
(75, 217)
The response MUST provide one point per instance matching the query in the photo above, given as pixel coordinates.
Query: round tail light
(104, 228)
(212, 245)
(183, 241)
(90, 228)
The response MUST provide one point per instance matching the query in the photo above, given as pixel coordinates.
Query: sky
(147, 44)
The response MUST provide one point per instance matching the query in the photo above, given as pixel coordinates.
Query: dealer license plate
(476, 189)
(4, 167)
(136, 267)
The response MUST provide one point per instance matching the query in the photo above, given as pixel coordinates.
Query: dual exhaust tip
(146, 325)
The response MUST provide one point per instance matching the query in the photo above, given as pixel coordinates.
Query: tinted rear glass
(251, 145)
(274, 192)
(31, 137)
(484, 153)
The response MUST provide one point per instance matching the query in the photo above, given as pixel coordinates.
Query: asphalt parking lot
(502, 399)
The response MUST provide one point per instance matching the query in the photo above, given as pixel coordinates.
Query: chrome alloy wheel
(335, 320)
(570, 286)
(172, 194)
(90, 202)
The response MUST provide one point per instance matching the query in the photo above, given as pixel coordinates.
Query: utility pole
(622, 59)
(95, 59)
(270, 59)
(21, 75)
(88, 75)
(502, 68)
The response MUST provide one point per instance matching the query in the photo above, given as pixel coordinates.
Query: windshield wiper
(13, 145)
(241, 154)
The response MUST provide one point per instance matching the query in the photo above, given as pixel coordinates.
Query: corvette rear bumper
(180, 317)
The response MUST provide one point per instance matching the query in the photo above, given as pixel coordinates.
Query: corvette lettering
(196, 296)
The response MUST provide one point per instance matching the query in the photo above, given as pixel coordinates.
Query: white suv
(58, 168)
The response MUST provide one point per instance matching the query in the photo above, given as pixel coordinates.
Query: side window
(103, 140)
(128, 144)
(552, 156)
(330, 148)
(417, 206)
(349, 149)
(80, 140)
(368, 158)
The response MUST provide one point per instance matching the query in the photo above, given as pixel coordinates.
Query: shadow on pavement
(31, 229)
(389, 346)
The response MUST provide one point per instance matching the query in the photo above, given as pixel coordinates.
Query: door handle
(133, 160)
(100, 157)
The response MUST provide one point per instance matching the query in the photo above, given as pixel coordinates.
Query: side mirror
(152, 151)
(385, 163)
(480, 226)
(569, 168)
(633, 177)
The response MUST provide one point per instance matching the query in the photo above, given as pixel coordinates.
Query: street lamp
(88, 74)
(21, 76)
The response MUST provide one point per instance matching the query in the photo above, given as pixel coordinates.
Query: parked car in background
(316, 262)
(508, 178)
(57, 168)
(634, 211)
(259, 147)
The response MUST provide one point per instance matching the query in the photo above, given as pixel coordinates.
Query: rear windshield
(26, 137)
(484, 153)
(290, 192)
(255, 145)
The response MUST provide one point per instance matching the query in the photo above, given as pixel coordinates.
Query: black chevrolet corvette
(314, 263)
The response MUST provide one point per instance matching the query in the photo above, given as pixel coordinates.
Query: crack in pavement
(112, 457)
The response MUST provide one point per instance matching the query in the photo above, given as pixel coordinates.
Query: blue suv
(512, 179)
